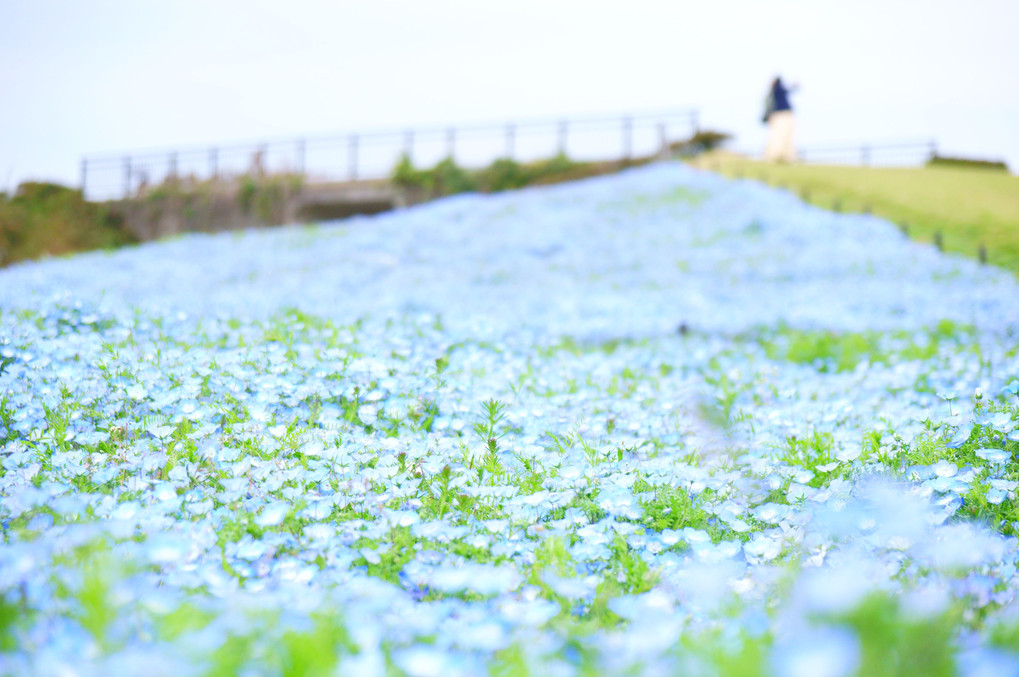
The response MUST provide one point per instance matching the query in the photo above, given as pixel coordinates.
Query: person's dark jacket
(778, 99)
(780, 96)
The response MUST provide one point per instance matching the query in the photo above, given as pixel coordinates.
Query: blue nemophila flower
(817, 652)
(995, 456)
(272, 515)
(256, 456)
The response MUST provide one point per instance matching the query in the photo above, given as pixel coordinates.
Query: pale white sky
(89, 77)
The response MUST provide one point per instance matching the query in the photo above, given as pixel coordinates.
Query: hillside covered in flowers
(652, 423)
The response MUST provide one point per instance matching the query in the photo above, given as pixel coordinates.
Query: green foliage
(511, 662)
(391, 560)
(314, 652)
(448, 178)
(812, 452)
(1003, 633)
(553, 556)
(49, 219)
(967, 163)
(674, 508)
(626, 572)
(445, 178)
(182, 620)
(557, 165)
(406, 175)
(565, 443)
(508, 174)
(741, 656)
(246, 192)
(233, 530)
(503, 174)
(830, 352)
(231, 656)
(212, 205)
(631, 571)
(94, 607)
(490, 428)
(438, 494)
(722, 411)
(833, 352)
(266, 196)
(933, 446)
(702, 141)
(896, 644)
(584, 501)
(11, 615)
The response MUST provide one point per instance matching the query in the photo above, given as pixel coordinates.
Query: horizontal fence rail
(880, 154)
(373, 155)
(886, 154)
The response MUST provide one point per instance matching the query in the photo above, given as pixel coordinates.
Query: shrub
(406, 175)
(449, 178)
(503, 174)
(508, 174)
(703, 141)
(445, 178)
(47, 218)
(556, 164)
(246, 193)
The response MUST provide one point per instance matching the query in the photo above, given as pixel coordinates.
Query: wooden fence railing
(353, 156)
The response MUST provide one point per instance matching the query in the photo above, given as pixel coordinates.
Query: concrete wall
(210, 207)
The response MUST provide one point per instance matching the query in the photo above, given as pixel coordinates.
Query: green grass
(970, 207)
(832, 352)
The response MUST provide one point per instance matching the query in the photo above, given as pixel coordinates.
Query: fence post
(564, 126)
(663, 142)
(510, 131)
(352, 159)
(214, 162)
(695, 121)
(84, 177)
(127, 176)
(865, 155)
(932, 149)
(627, 137)
(299, 161)
(173, 165)
(451, 142)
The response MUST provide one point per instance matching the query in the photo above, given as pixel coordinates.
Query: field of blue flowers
(653, 423)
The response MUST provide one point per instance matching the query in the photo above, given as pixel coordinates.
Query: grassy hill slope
(969, 207)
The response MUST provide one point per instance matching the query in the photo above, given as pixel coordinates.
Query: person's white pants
(781, 146)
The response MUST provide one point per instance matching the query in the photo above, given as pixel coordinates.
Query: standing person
(778, 113)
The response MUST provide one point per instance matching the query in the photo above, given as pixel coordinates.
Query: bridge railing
(373, 155)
